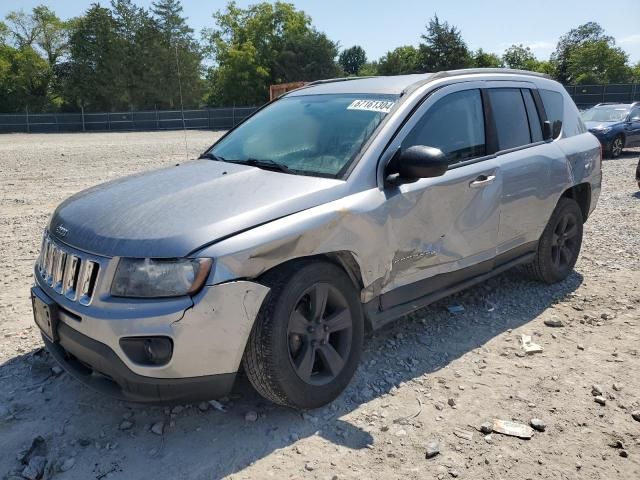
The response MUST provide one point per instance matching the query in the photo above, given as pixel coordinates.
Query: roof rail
(334, 80)
(471, 71)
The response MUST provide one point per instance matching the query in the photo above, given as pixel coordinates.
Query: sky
(381, 25)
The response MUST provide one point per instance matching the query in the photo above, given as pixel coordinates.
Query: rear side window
(512, 123)
(454, 124)
(535, 126)
(554, 108)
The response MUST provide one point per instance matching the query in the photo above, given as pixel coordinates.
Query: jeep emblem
(61, 231)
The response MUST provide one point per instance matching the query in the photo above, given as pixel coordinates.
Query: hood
(173, 211)
(599, 125)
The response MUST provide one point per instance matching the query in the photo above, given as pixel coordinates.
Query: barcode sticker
(382, 106)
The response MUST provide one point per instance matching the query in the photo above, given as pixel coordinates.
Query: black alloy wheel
(319, 333)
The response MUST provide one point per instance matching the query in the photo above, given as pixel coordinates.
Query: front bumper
(209, 336)
(97, 366)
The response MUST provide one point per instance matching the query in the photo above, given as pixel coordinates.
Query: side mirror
(418, 162)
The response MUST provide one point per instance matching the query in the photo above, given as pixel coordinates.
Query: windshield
(313, 134)
(611, 113)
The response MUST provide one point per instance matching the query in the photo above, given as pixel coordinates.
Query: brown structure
(276, 90)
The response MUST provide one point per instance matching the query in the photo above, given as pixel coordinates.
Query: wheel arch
(581, 193)
(344, 259)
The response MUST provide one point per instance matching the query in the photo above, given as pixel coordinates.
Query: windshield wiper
(265, 164)
(212, 156)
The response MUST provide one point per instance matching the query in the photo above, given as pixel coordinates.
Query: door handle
(482, 181)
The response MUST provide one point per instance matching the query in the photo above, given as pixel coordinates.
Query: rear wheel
(560, 244)
(615, 150)
(306, 342)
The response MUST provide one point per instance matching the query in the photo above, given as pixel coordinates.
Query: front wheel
(615, 150)
(560, 244)
(307, 340)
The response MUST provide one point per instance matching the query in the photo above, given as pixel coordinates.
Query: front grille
(67, 273)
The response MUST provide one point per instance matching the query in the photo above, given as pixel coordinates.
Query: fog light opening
(148, 350)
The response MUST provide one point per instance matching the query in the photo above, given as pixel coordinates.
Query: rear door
(444, 229)
(525, 160)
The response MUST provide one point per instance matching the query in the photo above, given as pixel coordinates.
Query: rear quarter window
(554, 107)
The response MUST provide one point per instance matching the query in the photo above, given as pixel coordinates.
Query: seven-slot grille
(67, 273)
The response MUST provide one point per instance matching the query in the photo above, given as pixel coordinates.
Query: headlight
(147, 277)
(603, 130)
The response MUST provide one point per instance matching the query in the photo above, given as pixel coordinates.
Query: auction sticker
(383, 106)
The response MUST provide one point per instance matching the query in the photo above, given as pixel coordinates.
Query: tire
(615, 149)
(560, 243)
(299, 353)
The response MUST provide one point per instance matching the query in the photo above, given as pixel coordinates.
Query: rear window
(512, 123)
(554, 107)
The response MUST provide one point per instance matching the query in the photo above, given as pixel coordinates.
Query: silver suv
(335, 209)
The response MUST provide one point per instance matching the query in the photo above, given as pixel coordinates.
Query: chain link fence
(203, 118)
(585, 96)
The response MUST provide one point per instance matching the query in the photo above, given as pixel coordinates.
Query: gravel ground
(434, 377)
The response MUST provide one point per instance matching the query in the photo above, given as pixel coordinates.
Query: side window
(454, 124)
(535, 127)
(635, 113)
(554, 107)
(512, 123)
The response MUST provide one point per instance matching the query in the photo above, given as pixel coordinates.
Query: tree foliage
(598, 61)
(353, 59)
(520, 57)
(482, 59)
(120, 56)
(400, 61)
(443, 48)
(572, 40)
(261, 45)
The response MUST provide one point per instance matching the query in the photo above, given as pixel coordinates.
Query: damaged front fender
(213, 333)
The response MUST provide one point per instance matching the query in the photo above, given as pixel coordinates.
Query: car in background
(617, 125)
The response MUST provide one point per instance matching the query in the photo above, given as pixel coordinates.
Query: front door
(444, 229)
(632, 128)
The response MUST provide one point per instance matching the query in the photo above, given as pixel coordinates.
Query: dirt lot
(436, 376)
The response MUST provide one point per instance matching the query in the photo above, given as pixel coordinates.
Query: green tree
(262, 45)
(370, 69)
(307, 56)
(352, 59)
(588, 32)
(94, 77)
(400, 61)
(635, 73)
(22, 27)
(597, 61)
(52, 36)
(24, 80)
(4, 33)
(179, 61)
(443, 48)
(520, 57)
(482, 59)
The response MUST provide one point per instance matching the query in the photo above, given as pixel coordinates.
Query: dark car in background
(617, 125)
